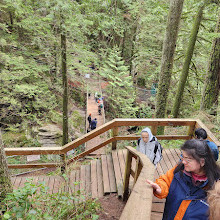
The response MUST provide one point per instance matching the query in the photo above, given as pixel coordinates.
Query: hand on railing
(155, 186)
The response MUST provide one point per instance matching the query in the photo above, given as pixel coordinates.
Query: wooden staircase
(100, 177)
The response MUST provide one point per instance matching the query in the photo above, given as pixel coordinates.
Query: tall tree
(65, 89)
(169, 46)
(212, 81)
(5, 180)
(187, 61)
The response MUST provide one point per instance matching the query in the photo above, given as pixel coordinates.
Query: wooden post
(154, 130)
(63, 162)
(127, 175)
(191, 130)
(114, 133)
(137, 170)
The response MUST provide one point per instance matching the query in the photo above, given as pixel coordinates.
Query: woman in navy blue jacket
(185, 186)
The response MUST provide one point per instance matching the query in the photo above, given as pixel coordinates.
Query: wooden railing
(139, 203)
(114, 126)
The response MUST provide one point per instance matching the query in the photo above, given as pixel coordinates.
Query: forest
(158, 59)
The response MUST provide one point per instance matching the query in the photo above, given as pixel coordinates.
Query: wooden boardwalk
(92, 108)
(103, 176)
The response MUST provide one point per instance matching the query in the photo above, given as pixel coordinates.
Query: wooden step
(156, 216)
(108, 174)
(96, 179)
(118, 173)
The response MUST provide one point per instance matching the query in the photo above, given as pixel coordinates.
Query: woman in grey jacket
(149, 146)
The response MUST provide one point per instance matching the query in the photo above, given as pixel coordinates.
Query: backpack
(158, 148)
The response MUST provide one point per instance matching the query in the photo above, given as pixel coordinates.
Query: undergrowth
(35, 203)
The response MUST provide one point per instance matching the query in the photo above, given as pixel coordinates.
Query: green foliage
(120, 93)
(16, 139)
(34, 202)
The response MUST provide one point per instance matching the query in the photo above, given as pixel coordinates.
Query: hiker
(149, 146)
(96, 97)
(93, 124)
(214, 202)
(100, 106)
(185, 186)
(89, 120)
(201, 134)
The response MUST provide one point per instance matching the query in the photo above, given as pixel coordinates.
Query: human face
(192, 165)
(145, 136)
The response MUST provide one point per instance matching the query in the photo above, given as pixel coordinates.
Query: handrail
(139, 203)
(114, 124)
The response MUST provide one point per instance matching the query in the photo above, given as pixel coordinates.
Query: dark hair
(199, 149)
(201, 133)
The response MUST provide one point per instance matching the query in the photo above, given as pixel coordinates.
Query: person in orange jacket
(185, 186)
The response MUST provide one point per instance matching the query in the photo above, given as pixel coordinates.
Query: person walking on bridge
(89, 120)
(93, 124)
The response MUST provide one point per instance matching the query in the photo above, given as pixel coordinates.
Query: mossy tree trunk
(65, 94)
(187, 61)
(65, 89)
(129, 42)
(169, 46)
(212, 82)
(5, 180)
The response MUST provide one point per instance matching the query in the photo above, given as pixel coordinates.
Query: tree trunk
(65, 96)
(212, 82)
(65, 89)
(169, 46)
(188, 57)
(5, 180)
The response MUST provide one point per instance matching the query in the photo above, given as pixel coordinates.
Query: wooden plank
(176, 153)
(121, 163)
(100, 179)
(127, 175)
(125, 152)
(106, 182)
(25, 166)
(58, 183)
(40, 181)
(163, 164)
(35, 180)
(94, 179)
(17, 182)
(154, 130)
(158, 207)
(33, 151)
(114, 133)
(159, 137)
(94, 133)
(139, 203)
(88, 179)
(111, 173)
(23, 180)
(171, 157)
(155, 199)
(167, 160)
(77, 186)
(156, 216)
(51, 184)
(72, 180)
(137, 169)
(154, 122)
(90, 150)
(46, 180)
(118, 176)
(83, 178)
